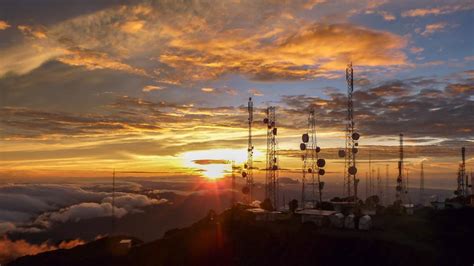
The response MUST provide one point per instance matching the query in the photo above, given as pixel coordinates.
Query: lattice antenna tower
(350, 170)
(248, 173)
(271, 174)
(463, 179)
(400, 189)
(312, 164)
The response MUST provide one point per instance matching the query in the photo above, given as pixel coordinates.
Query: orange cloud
(4, 25)
(208, 90)
(149, 88)
(36, 32)
(132, 26)
(10, 250)
(95, 60)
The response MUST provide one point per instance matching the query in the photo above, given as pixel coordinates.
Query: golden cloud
(193, 43)
(132, 26)
(4, 25)
(149, 88)
(95, 60)
(36, 32)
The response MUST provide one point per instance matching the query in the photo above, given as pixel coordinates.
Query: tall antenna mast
(350, 170)
(271, 175)
(400, 183)
(462, 176)
(422, 185)
(311, 162)
(249, 165)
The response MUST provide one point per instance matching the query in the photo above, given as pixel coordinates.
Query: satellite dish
(305, 138)
(342, 153)
(355, 150)
(352, 170)
(246, 190)
(355, 136)
(244, 174)
(321, 172)
(302, 146)
(321, 162)
(318, 149)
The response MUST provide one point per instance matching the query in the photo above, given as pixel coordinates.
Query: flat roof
(257, 210)
(316, 212)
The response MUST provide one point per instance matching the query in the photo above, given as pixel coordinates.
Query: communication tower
(313, 166)
(350, 170)
(271, 174)
(248, 172)
(400, 189)
(463, 179)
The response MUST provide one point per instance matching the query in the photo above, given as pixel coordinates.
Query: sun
(215, 163)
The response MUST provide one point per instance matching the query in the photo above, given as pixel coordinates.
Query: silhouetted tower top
(463, 179)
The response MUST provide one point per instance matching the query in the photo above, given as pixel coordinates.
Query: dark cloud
(397, 106)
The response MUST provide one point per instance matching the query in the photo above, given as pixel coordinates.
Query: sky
(158, 89)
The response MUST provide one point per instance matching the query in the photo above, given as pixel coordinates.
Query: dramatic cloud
(190, 42)
(10, 250)
(420, 108)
